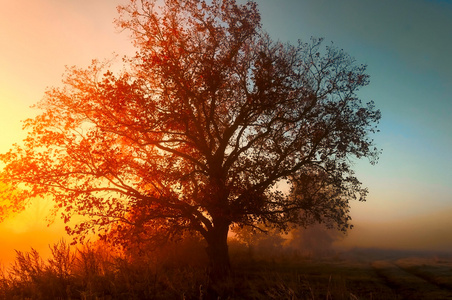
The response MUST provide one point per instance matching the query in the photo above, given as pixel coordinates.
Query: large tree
(211, 124)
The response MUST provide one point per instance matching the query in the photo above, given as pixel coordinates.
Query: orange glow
(29, 229)
(38, 40)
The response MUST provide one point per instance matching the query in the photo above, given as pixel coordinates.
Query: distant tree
(199, 130)
(315, 241)
(260, 240)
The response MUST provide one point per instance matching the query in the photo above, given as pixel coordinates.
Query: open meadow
(95, 272)
(358, 274)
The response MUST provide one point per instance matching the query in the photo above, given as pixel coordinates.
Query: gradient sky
(407, 45)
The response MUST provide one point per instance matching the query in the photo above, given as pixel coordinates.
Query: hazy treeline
(314, 241)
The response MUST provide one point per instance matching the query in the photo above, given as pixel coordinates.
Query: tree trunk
(218, 252)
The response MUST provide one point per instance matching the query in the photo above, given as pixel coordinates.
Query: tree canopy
(203, 128)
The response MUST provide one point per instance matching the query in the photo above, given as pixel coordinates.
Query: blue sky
(407, 47)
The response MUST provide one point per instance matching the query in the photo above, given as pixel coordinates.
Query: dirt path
(408, 285)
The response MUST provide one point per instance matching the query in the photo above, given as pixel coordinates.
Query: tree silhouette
(199, 131)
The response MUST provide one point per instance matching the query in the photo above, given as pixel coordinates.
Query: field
(364, 274)
(93, 273)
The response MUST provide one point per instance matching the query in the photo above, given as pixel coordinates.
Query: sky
(406, 45)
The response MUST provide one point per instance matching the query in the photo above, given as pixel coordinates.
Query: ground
(357, 274)
(364, 274)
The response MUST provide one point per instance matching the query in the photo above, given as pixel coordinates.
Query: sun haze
(39, 38)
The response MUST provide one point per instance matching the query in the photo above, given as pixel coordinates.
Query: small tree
(197, 133)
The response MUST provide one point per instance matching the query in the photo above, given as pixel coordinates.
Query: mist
(419, 235)
(426, 232)
(316, 241)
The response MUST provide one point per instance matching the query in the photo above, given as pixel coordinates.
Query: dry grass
(434, 270)
(95, 273)
(408, 284)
